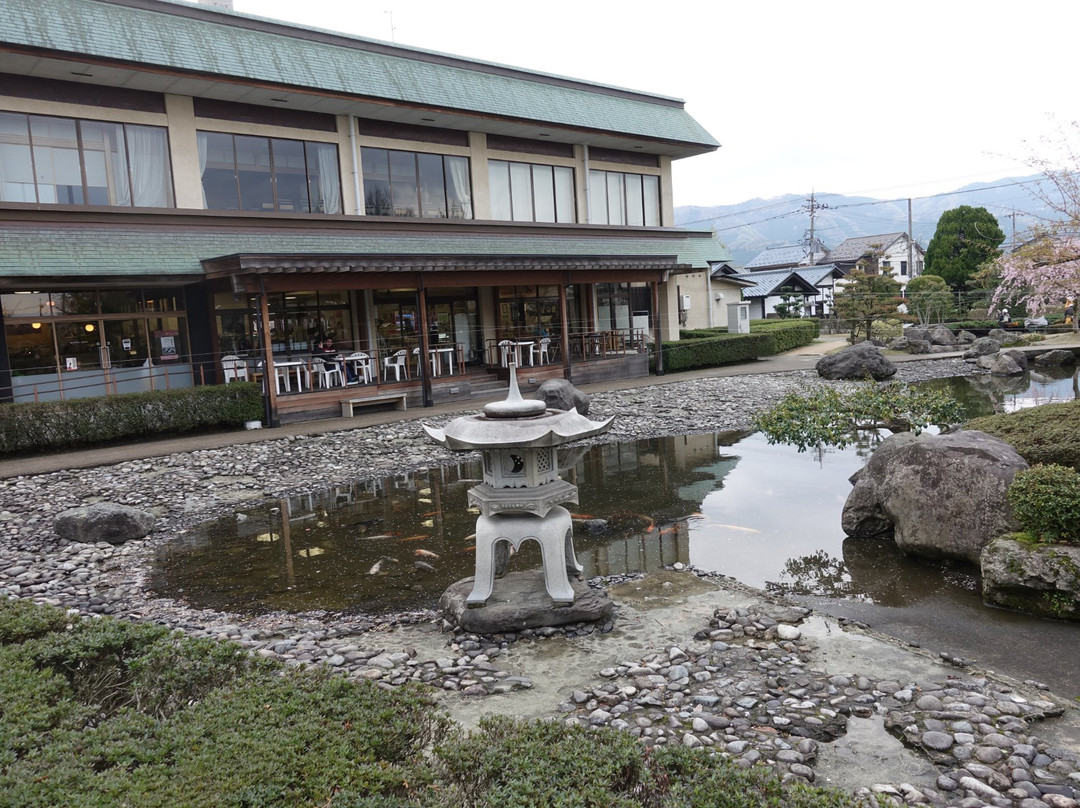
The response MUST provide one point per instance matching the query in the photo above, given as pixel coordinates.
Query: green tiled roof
(49, 250)
(230, 46)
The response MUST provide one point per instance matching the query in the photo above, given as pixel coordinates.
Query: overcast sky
(862, 97)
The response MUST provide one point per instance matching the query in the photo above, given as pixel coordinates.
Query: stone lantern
(522, 496)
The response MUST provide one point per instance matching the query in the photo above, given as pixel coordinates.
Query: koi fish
(425, 553)
(581, 516)
(664, 531)
(376, 568)
(425, 500)
(431, 513)
(740, 527)
(469, 549)
(378, 537)
(423, 565)
(470, 537)
(417, 538)
(428, 523)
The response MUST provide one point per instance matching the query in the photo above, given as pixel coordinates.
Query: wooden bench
(349, 404)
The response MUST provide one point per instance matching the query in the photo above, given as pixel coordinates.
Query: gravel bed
(741, 686)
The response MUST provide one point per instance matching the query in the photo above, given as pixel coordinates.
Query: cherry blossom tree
(1044, 272)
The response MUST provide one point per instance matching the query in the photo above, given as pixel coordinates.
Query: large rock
(1055, 357)
(519, 601)
(965, 337)
(918, 346)
(940, 335)
(943, 496)
(104, 521)
(981, 347)
(1039, 579)
(1005, 365)
(918, 332)
(1018, 356)
(559, 394)
(856, 363)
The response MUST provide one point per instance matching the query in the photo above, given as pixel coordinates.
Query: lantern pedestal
(554, 532)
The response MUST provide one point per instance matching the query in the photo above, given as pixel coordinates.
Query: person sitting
(324, 349)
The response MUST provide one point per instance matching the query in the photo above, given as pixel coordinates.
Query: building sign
(167, 345)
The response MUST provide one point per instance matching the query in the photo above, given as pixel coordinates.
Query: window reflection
(414, 184)
(71, 161)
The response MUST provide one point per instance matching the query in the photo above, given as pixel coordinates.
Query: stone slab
(519, 601)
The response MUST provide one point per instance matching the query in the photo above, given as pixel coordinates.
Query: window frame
(518, 197)
(35, 142)
(401, 190)
(311, 176)
(611, 201)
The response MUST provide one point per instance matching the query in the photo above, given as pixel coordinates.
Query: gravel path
(741, 685)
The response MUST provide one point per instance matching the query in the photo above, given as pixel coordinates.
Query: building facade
(189, 195)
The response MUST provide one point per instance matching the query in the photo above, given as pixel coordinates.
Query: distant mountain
(749, 227)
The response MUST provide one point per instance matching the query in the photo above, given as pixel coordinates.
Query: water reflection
(985, 394)
(396, 543)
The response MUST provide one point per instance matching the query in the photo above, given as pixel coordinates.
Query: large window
(297, 321)
(618, 198)
(242, 172)
(524, 192)
(88, 343)
(426, 186)
(68, 161)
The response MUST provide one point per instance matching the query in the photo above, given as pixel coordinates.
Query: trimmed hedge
(59, 425)
(789, 334)
(712, 347)
(689, 354)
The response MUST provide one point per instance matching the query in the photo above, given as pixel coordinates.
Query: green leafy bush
(1045, 500)
(689, 354)
(832, 416)
(1048, 434)
(58, 425)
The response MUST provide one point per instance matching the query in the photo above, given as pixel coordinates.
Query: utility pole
(812, 206)
(910, 244)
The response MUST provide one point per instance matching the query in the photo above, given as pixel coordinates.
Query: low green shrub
(513, 764)
(259, 734)
(22, 620)
(789, 334)
(59, 425)
(1048, 434)
(725, 349)
(1045, 500)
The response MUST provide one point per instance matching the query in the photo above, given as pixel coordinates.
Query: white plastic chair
(234, 369)
(361, 363)
(545, 343)
(327, 372)
(505, 348)
(434, 362)
(399, 362)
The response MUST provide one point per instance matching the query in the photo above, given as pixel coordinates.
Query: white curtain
(204, 141)
(120, 179)
(459, 181)
(150, 179)
(329, 179)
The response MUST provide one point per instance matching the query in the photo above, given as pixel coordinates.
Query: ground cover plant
(1048, 434)
(104, 712)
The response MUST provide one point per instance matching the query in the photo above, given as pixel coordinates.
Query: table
(282, 371)
(437, 355)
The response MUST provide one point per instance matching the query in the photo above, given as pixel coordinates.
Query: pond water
(764, 514)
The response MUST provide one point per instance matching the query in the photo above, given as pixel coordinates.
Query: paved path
(799, 359)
